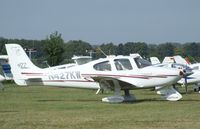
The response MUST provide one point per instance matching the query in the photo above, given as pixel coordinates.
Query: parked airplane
(181, 60)
(115, 72)
(192, 79)
(6, 67)
(180, 63)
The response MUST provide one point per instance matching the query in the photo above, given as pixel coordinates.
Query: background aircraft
(115, 72)
(6, 67)
(180, 63)
(193, 79)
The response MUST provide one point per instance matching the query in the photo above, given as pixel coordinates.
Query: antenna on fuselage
(102, 52)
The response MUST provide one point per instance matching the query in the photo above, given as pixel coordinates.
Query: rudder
(19, 62)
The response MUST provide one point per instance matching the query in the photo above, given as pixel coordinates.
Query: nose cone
(1, 78)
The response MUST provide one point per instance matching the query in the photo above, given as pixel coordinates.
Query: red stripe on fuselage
(32, 74)
(129, 76)
(67, 81)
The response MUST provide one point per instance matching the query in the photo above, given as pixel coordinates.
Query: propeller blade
(186, 88)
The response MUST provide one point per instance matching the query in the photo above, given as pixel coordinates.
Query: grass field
(41, 107)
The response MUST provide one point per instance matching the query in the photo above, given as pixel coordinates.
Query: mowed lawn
(42, 107)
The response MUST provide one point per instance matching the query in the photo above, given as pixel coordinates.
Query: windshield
(141, 63)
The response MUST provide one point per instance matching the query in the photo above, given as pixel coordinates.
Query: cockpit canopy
(121, 64)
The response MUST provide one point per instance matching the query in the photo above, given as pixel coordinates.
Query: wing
(108, 82)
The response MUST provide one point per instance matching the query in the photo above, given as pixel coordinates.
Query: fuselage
(123, 68)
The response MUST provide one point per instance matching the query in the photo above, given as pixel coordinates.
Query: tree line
(55, 50)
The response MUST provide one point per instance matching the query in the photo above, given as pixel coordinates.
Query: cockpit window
(141, 63)
(122, 64)
(103, 66)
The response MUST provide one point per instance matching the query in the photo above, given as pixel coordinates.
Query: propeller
(185, 83)
(186, 72)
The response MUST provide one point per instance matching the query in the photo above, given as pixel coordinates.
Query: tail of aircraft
(168, 60)
(154, 60)
(20, 63)
(181, 60)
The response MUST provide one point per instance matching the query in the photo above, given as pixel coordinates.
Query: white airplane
(180, 63)
(115, 72)
(192, 79)
(181, 60)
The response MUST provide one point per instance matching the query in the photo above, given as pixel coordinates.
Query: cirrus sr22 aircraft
(116, 73)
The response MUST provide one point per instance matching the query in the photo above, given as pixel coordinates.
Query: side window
(103, 66)
(122, 64)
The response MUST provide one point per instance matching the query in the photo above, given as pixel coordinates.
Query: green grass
(41, 107)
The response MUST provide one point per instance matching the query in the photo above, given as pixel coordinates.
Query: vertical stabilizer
(19, 62)
(180, 60)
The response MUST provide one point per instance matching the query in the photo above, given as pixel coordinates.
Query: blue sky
(102, 21)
